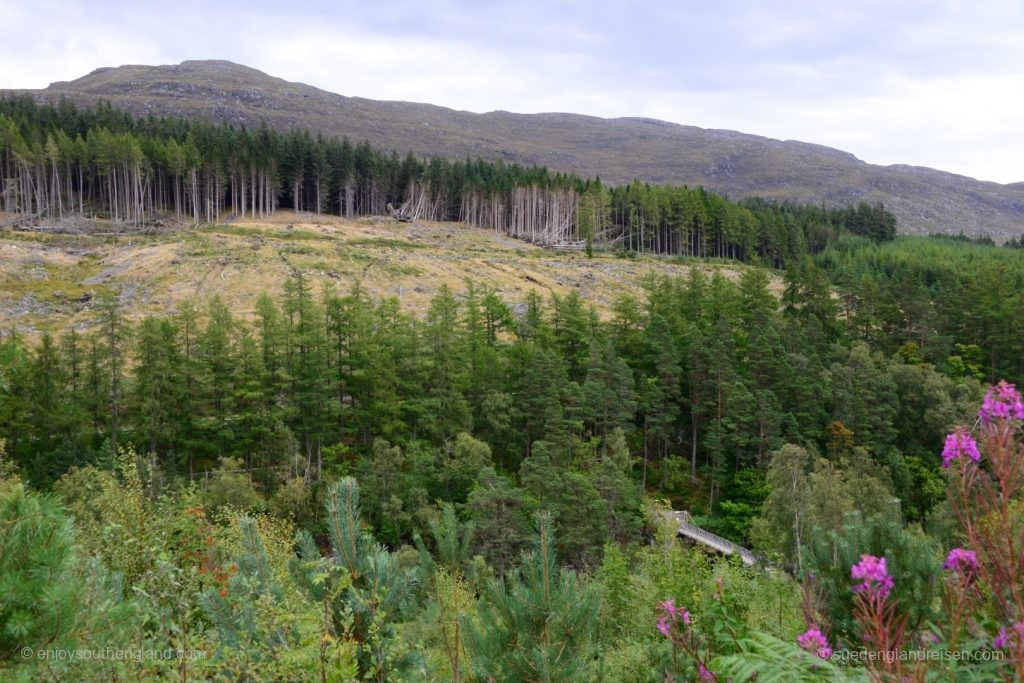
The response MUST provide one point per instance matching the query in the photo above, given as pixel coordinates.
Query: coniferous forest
(334, 489)
(57, 160)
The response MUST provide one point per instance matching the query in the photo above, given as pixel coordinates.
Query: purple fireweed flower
(664, 626)
(1000, 641)
(813, 640)
(670, 611)
(705, 675)
(961, 561)
(1002, 402)
(871, 570)
(1003, 639)
(960, 444)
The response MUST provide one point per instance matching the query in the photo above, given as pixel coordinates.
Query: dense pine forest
(333, 489)
(57, 160)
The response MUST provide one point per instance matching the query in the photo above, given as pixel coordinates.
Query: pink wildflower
(960, 444)
(1002, 402)
(1003, 639)
(1000, 641)
(871, 570)
(813, 640)
(705, 674)
(671, 613)
(961, 561)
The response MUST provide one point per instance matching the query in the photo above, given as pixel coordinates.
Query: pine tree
(238, 619)
(376, 589)
(617, 489)
(51, 597)
(660, 394)
(569, 494)
(573, 325)
(808, 297)
(911, 558)
(538, 383)
(39, 605)
(451, 540)
(538, 624)
(608, 392)
(265, 633)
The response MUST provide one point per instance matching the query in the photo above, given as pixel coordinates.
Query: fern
(765, 658)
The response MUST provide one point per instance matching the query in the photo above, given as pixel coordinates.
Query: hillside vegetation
(250, 424)
(516, 459)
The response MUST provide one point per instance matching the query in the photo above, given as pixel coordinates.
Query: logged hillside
(617, 150)
(49, 280)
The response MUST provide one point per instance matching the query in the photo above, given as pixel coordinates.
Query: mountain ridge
(616, 149)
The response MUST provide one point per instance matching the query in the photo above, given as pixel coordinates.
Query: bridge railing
(723, 545)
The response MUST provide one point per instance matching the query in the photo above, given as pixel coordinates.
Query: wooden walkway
(688, 529)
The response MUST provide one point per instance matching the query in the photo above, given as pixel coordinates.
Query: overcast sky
(930, 82)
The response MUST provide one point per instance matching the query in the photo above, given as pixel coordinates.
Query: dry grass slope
(51, 279)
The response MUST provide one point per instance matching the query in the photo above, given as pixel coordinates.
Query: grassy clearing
(277, 234)
(383, 243)
(237, 262)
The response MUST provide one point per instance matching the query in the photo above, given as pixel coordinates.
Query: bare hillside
(51, 276)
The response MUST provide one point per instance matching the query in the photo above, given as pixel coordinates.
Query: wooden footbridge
(690, 531)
